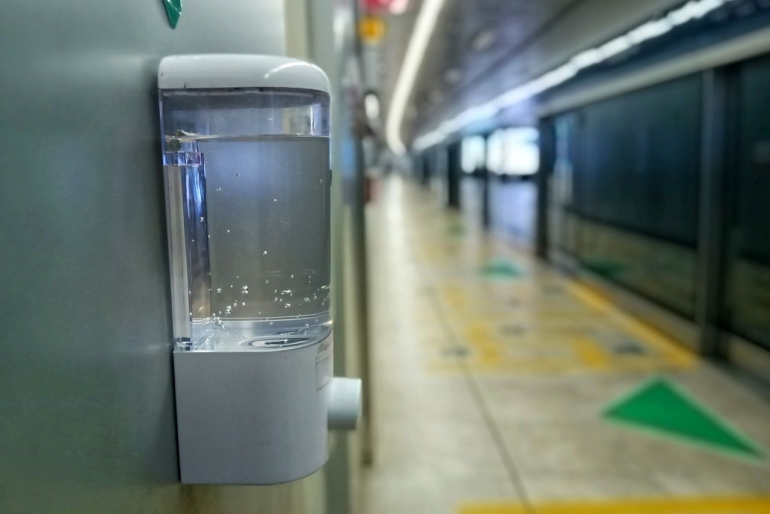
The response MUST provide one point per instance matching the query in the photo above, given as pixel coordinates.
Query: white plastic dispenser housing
(246, 168)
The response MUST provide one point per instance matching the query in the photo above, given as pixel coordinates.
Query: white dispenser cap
(344, 403)
(225, 71)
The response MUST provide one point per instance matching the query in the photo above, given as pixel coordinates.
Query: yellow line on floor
(726, 505)
(673, 350)
(591, 355)
(542, 352)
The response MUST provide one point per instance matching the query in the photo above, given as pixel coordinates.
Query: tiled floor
(491, 374)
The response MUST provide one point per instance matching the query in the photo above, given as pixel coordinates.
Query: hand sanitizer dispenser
(246, 168)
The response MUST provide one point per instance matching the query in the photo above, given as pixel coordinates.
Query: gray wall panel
(86, 400)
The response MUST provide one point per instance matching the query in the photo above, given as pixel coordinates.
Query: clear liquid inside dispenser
(247, 185)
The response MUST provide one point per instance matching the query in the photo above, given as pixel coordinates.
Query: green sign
(660, 406)
(501, 268)
(174, 11)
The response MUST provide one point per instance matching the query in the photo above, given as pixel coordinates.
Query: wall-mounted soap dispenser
(247, 177)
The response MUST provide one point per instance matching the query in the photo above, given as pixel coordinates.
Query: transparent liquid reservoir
(247, 182)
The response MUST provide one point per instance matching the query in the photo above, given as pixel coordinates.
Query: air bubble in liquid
(219, 290)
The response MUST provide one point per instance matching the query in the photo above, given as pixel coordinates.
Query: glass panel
(625, 195)
(747, 305)
(247, 181)
(661, 271)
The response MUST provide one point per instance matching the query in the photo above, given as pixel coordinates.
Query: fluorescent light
(615, 47)
(423, 29)
(372, 106)
(555, 77)
(586, 59)
(650, 30)
(483, 40)
(692, 10)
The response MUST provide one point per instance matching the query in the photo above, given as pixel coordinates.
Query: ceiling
(480, 47)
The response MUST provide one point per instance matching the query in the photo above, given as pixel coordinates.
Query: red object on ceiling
(379, 6)
(376, 5)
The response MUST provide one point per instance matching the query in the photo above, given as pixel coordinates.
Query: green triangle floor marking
(664, 408)
(501, 268)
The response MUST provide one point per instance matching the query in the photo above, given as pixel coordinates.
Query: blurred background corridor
(547, 226)
(569, 252)
(502, 385)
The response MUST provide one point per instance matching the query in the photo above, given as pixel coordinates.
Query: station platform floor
(501, 386)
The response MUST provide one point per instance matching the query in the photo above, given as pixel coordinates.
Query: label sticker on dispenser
(324, 364)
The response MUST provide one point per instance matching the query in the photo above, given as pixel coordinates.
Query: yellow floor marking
(557, 330)
(590, 297)
(539, 317)
(591, 355)
(674, 351)
(538, 351)
(734, 505)
(545, 365)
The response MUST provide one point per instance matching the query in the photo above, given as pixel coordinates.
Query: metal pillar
(709, 284)
(486, 217)
(542, 180)
(453, 175)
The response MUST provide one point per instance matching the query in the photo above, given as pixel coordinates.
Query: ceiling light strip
(692, 10)
(423, 29)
